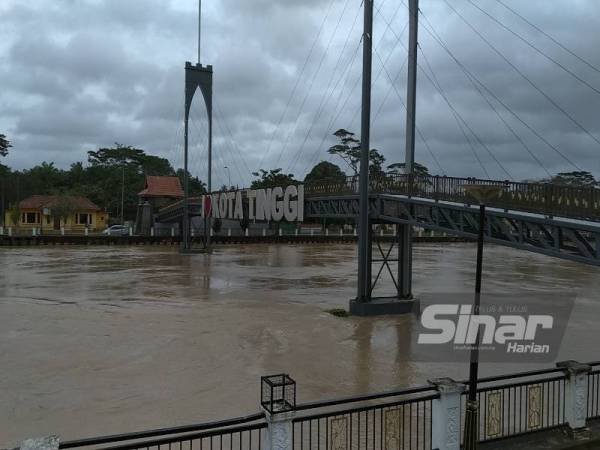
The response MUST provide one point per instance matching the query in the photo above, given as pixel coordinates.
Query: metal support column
(364, 238)
(405, 247)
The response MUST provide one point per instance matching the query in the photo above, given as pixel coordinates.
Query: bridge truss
(569, 239)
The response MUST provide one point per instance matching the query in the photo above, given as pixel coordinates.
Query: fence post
(576, 394)
(445, 414)
(326, 231)
(152, 231)
(247, 232)
(229, 232)
(130, 231)
(86, 231)
(62, 231)
(264, 232)
(45, 443)
(9, 231)
(172, 231)
(279, 414)
(280, 232)
(1, 230)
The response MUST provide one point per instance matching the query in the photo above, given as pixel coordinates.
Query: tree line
(109, 172)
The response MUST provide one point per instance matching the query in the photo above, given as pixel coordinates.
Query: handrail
(161, 432)
(432, 396)
(578, 202)
(363, 398)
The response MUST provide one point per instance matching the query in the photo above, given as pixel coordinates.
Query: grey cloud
(79, 74)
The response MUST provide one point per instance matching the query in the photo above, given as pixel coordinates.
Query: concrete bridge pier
(197, 77)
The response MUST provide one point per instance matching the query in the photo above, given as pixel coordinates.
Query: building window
(83, 219)
(30, 217)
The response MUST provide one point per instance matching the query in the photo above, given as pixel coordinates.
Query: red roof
(162, 187)
(48, 201)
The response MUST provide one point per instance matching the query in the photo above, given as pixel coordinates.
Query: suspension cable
(430, 29)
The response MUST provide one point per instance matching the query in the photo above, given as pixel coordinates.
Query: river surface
(114, 339)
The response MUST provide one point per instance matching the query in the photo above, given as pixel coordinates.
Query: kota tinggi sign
(271, 204)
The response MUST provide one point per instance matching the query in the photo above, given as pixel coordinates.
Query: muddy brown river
(108, 340)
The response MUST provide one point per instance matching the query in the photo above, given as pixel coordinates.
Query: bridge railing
(542, 198)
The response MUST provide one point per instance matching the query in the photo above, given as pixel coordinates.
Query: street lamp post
(483, 193)
(228, 175)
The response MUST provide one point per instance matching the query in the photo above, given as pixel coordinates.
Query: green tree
(121, 167)
(44, 179)
(349, 150)
(197, 186)
(14, 214)
(4, 145)
(272, 178)
(418, 169)
(325, 172)
(63, 208)
(576, 179)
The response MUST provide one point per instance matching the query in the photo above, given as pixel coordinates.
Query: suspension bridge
(540, 407)
(556, 220)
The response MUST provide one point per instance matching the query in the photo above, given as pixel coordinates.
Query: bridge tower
(197, 77)
(366, 303)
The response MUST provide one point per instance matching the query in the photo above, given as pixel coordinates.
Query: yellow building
(53, 212)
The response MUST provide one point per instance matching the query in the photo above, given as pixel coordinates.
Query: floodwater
(107, 340)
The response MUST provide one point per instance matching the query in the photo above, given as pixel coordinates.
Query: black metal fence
(402, 423)
(509, 405)
(527, 402)
(593, 400)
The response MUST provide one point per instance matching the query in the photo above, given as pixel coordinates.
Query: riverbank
(53, 240)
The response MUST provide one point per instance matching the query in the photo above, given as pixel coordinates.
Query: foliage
(418, 169)
(576, 179)
(349, 150)
(338, 312)
(14, 214)
(325, 172)
(4, 145)
(100, 179)
(196, 186)
(63, 208)
(272, 178)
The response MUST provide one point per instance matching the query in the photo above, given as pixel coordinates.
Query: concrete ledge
(557, 438)
(382, 306)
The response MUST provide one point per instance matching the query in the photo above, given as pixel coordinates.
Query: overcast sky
(79, 74)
